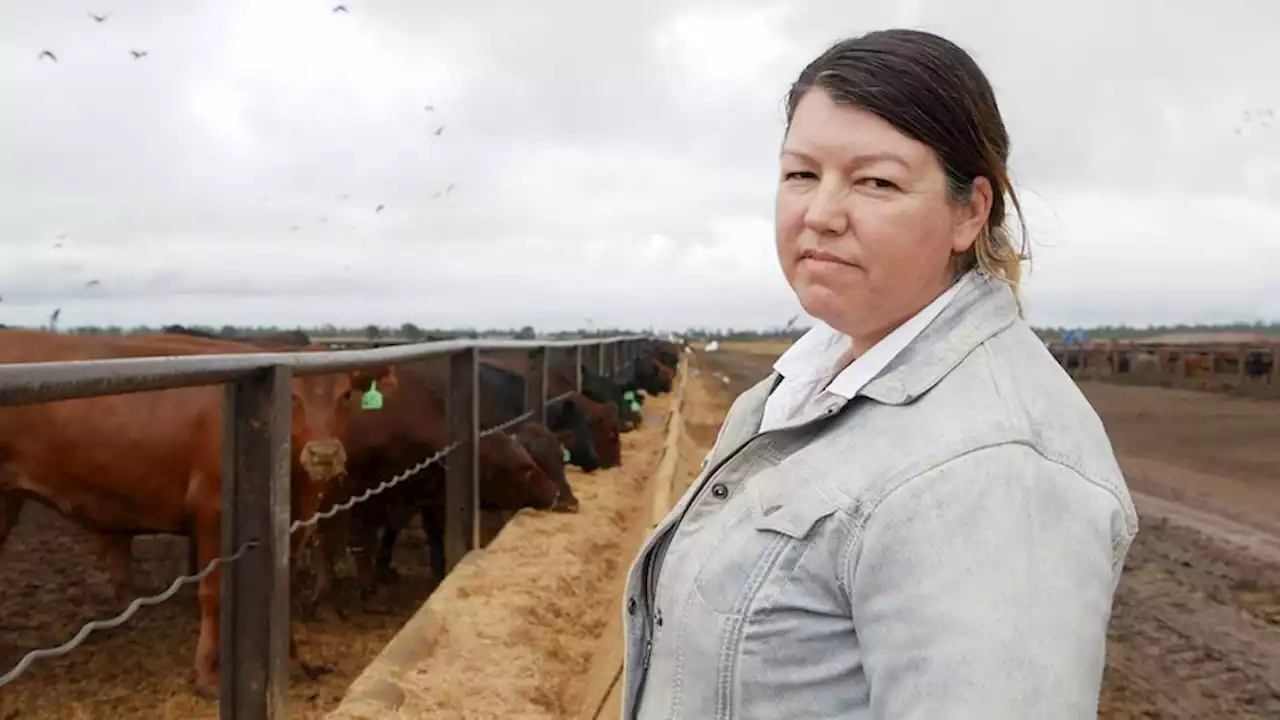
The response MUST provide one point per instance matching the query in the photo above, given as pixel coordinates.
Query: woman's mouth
(824, 257)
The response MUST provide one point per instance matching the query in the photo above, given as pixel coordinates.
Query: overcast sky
(613, 162)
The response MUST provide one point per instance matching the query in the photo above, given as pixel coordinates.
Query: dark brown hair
(931, 90)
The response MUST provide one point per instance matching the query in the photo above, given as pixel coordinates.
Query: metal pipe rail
(254, 643)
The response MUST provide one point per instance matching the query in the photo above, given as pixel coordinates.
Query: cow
(143, 463)
(665, 353)
(650, 375)
(1258, 363)
(1198, 364)
(582, 424)
(407, 429)
(1144, 364)
(603, 390)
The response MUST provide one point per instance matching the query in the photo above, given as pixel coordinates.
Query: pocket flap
(785, 501)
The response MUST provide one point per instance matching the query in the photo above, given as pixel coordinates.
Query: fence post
(535, 385)
(462, 491)
(577, 368)
(254, 642)
(600, 358)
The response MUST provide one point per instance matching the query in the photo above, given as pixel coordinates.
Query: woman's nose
(826, 213)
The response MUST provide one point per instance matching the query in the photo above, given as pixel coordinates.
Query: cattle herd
(151, 463)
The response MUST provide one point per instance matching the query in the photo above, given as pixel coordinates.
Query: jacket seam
(1119, 544)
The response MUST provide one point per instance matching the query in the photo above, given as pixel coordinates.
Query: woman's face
(866, 229)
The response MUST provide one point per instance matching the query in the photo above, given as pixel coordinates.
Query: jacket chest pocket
(760, 547)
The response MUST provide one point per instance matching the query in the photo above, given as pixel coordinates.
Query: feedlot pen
(51, 582)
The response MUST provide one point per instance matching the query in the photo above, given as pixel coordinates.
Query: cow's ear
(362, 380)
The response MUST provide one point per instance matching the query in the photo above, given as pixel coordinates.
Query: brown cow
(141, 463)
(410, 427)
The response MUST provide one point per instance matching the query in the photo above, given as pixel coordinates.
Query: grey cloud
(576, 134)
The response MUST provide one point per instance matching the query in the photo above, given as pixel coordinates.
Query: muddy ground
(1195, 631)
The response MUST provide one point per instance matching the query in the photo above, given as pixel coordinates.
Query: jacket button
(631, 606)
(719, 491)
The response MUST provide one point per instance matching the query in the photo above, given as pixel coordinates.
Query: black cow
(1258, 363)
(502, 393)
(646, 374)
(606, 390)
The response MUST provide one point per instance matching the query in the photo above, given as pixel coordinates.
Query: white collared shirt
(807, 388)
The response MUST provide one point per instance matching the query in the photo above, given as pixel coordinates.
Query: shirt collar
(816, 353)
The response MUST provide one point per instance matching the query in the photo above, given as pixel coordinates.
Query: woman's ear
(971, 215)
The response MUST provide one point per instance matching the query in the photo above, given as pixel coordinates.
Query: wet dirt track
(1195, 630)
(51, 582)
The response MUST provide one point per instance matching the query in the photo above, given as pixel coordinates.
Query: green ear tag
(565, 451)
(629, 396)
(371, 400)
(635, 406)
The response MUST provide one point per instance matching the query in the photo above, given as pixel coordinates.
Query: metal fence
(256, 525)
(1249, 368)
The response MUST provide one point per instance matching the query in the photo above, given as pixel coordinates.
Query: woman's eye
(799, 175)
(879, 183)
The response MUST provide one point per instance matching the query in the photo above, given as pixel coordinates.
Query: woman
(918, 515)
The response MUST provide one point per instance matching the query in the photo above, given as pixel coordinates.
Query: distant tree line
(413, 332)
(1113, 332)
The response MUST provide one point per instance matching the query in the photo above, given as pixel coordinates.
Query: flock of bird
(1258, 117)
(139, 55)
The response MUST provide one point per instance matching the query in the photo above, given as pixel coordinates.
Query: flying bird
(45, 53)
(340, 8)
(379, 208)
(439, 130)
(324, 219)
(92, 283)
(53, 319)
(429, 108)
(294, 228)
(138, 54)
(345, 197)
(57, 245)
(450, 188)
(99, 18)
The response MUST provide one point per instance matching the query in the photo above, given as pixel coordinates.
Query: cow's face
(322, 408)
(511, 478)
(575, 419)
(605, 435)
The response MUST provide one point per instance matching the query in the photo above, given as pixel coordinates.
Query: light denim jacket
(944, 545)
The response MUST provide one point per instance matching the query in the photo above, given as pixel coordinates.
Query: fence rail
(256, 518)
(1249, 368)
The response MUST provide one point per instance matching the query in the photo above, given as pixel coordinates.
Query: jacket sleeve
(982, 588)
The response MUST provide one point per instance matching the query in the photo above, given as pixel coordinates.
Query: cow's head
(546, 449)
(604, 433)
(572, 422)
(322, 409)
(509, 477)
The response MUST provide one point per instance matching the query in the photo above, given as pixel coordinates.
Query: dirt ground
(1195, 631)
(51, 582)
(497, 653)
